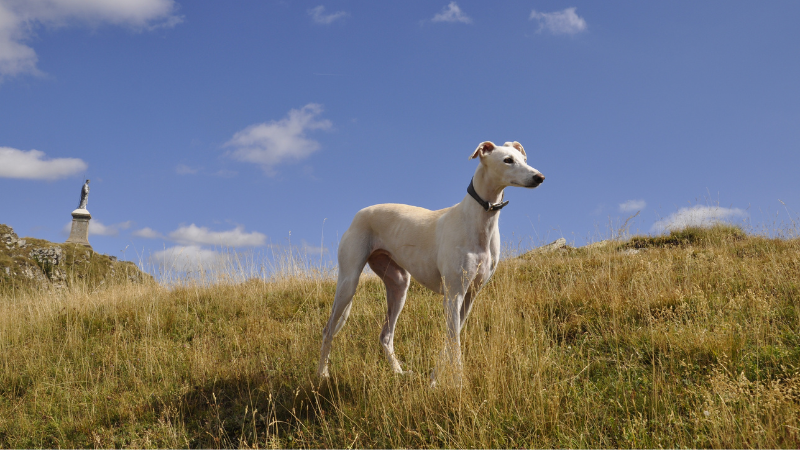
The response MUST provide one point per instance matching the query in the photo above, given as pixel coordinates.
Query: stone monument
(80, 220)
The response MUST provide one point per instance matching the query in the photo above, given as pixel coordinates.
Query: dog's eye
(509, 160)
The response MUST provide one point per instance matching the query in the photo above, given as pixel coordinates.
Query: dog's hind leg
(353, 254)
(396, 279)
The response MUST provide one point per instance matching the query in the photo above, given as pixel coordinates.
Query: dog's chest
(485, 266)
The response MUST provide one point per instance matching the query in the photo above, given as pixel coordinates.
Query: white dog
(452, 251)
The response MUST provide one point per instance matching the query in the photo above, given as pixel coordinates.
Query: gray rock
(598, 244)
(555, 245)
(10, 239)
(49, 255)
(50, 261)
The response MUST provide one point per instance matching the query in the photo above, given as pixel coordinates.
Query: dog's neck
(484, 224)
(485, 187)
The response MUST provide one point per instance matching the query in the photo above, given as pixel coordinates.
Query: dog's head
(508, 164)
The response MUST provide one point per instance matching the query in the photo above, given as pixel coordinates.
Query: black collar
(486, 205)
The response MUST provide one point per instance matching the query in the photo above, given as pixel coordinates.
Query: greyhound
(452, 251)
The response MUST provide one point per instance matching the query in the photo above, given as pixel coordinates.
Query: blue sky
(251, 124)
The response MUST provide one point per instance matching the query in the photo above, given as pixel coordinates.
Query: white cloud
(32, 165)
(225, 173)
(318, 15)
(19, 18)
(15, 57)
(194, 235)
(632, 205)
(147, 233)
(697, 216)
(309, 249)
(183, 169)
(269, 144)
(97, 228)
(560, 22)
(451, 13)
(185, 258)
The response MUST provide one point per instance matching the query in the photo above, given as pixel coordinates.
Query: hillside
(686, 340)
(30, 262)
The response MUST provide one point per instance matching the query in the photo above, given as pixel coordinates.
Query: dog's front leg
(449, 362)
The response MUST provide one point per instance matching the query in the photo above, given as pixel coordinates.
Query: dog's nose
(538, 178)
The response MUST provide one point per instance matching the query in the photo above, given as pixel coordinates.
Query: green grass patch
(690, 343)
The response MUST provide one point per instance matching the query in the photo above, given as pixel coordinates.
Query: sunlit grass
(691, 342)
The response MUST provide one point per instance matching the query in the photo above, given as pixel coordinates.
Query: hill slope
(688, 341)
(31, 262)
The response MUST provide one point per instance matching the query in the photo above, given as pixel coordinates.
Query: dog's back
(406, 233)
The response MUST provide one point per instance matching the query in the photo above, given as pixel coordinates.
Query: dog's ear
(483, 149)
(517, 146)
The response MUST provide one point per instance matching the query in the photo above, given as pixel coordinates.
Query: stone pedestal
(80, 228)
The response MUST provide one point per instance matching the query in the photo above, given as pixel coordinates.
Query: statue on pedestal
(84, 195)
(79, 233)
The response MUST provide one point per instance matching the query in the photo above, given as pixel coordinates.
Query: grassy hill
(687, 340)
(37, 263)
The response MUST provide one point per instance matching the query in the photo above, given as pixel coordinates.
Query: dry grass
(689, 343)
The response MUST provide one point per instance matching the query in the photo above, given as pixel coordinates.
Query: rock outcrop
(553, 246)
(39, 263)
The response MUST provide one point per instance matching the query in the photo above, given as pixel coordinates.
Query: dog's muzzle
(536, 180)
